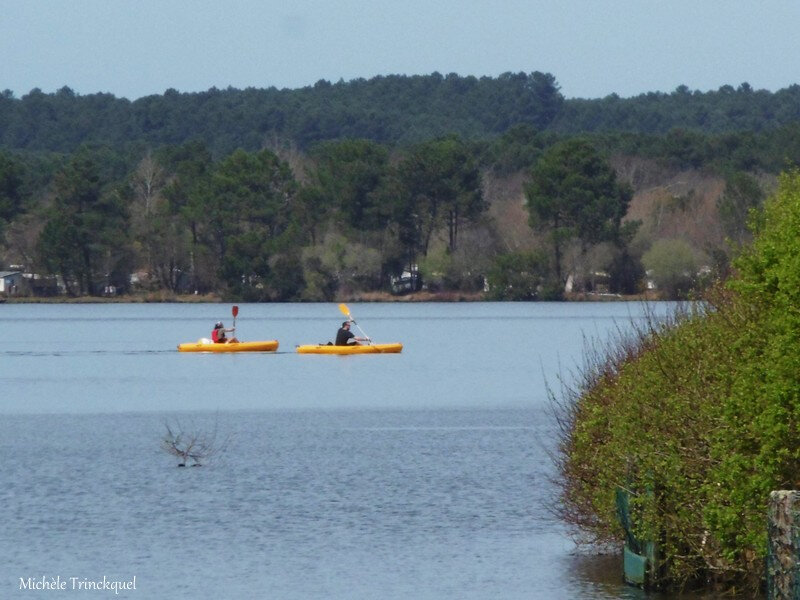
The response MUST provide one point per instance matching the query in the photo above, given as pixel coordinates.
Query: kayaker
(344, 335)
(218, 334)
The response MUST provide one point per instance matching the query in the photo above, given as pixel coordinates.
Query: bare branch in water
(197, 446)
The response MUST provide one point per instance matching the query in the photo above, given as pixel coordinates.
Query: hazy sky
(133, 48)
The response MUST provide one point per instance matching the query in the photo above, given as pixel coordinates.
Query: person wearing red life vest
(218, 334)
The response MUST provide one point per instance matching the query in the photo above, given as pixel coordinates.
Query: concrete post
(783, 546)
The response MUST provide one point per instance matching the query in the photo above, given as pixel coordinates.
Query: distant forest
(305, 194)
(392, 110)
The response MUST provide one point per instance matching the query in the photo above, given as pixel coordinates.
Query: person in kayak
(218, 334)
(344, 335)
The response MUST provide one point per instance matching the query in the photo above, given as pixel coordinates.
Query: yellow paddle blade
(345, 310)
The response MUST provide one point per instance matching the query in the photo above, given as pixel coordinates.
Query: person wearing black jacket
(344, 335)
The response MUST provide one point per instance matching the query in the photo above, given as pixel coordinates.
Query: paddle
(234, 312)
(346, 313)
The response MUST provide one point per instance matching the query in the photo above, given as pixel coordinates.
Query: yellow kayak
(205, 345)
(351, 349)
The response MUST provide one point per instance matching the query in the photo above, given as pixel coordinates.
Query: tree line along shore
(446, 184)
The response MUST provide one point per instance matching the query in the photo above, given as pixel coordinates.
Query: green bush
(672, 266)
(518, 276)
(698, 417)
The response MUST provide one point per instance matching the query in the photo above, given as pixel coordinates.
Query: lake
(424, 474)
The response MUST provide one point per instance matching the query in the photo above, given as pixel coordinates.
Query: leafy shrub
(697, 416)
(518, 276)
(673, 267)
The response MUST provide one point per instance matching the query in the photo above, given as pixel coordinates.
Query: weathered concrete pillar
(783, 546)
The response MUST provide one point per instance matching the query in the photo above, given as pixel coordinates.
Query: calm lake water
(419, 475)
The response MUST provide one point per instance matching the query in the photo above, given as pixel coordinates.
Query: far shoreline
(424, 296)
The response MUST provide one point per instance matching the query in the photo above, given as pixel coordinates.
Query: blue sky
(133, 48)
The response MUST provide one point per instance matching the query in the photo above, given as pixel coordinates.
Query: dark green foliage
(626, 273)
(349, 178)
(287, 282)
(84, 238)
(391, 109)
(724, 110)
(742, 128)
(387, 169)
(517, 149)
(738, 128)
(206, 226)
(574, 194)
(438, 185)
(11, 181)
(742, 195)
(519, 276)
(388, 109)
(58, 247)
(699, 418)
(770, 150)
(187, 263)
(244, 214)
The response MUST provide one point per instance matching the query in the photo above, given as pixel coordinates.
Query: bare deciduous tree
(193, 445)
(147, 182)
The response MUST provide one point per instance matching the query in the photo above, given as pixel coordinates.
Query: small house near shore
(11, 282)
